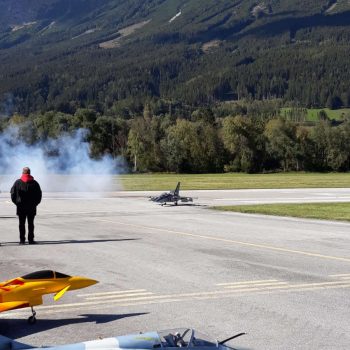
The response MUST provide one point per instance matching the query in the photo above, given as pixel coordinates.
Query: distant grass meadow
(323, 211)
(337, 114)
(312, 115)
(155, 182)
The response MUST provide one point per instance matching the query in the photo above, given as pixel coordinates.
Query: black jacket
(26, 196)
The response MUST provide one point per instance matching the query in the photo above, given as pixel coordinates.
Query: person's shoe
(22, 242)
(33, 242)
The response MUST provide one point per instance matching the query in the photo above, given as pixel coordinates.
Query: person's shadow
(74, 241)
(18, 328)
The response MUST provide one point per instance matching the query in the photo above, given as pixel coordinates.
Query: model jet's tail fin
(60, 294)
(177, 189)
(10, 344)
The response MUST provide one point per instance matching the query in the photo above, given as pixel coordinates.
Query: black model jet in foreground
(171, 197)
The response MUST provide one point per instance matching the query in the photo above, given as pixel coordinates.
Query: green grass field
(324, 211)
(155, 182)
(312, 114)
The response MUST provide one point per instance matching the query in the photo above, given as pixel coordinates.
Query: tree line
(249, 138)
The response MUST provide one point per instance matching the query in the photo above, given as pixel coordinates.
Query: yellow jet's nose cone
(77, 282)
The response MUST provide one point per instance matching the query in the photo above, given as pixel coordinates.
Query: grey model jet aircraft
(171, 197)
(163, 340)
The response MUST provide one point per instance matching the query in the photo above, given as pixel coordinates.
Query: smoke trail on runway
(62, 164)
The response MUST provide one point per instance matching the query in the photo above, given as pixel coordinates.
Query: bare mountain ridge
(110, 16)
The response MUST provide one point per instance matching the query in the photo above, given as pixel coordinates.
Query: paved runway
(286, 282)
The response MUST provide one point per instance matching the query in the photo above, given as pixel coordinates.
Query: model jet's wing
(12, 305)
(186, 199)
(59, 295)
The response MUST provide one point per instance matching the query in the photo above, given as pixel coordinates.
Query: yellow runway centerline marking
(218, 239)
(341, 275)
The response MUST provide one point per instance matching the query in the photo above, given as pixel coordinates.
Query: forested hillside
(180, 85)
(113, 55)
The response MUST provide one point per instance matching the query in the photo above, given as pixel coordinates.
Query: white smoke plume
(59, 165)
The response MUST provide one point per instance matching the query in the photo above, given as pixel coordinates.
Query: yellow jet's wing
(12, 305)
(59, 295)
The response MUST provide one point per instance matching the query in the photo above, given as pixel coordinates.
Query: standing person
(26, 194)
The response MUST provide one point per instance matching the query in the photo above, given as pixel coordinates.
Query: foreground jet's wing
(12, 305)
(9, 344)
(59, 295)
(167, 339)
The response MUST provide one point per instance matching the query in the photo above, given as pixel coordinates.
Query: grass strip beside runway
(323, 211)
(161, 181)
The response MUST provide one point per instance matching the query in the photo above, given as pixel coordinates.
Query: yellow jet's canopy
(44, 274)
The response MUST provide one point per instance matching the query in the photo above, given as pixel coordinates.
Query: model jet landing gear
(32, 319)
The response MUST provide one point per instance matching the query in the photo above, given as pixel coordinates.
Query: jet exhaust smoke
(59, 165)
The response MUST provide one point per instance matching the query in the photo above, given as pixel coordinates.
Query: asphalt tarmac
(284, 281)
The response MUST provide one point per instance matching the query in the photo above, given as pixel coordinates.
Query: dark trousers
(22, 227)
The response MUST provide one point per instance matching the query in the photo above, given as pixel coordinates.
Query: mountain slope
(64, 54)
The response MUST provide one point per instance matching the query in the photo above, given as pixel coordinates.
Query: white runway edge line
(218, 239)
(115, 292)
(119, 296)
(257, 285)
(342, 276)
(245, 282)
(283, 201)
(50, 309)
(243, 288)
(345, 224)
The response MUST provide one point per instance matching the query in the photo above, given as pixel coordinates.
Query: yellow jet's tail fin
(59, 295)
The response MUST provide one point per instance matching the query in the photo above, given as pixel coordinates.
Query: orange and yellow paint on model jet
(28, 290)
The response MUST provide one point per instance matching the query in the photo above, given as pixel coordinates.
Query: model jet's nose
(77, 282)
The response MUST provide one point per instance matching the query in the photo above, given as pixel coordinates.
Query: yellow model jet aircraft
(28, 290)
